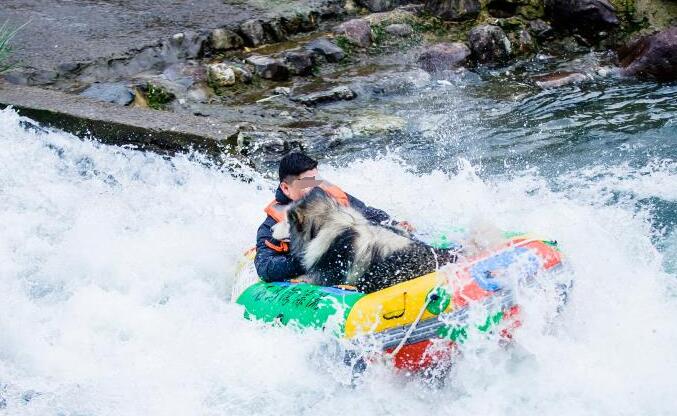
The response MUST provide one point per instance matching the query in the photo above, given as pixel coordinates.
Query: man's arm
(273, 263)
(370, 213)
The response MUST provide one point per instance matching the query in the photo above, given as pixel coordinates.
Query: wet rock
(376, 123)
(653, 56)
(444, 56)
(252, 32)
(326, 48)
(334, 94)
(559, 79)
(110, 92)
(489, 45)
(269, 68)
(299, 61)
(399, 29)
(225, 75)
(300, 22)
(357, 31)
(399, 83)
(185, 74)
(584, 16)
(453, 9)
(382, 5)
(525, 43)
(540, 29)
(224, 39)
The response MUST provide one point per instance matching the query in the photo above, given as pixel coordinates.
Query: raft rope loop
(429, 298)
(434, 296)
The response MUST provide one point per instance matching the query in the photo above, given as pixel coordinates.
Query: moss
(157, 97)
(347, 46)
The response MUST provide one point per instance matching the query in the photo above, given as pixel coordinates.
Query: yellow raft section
(392, 307)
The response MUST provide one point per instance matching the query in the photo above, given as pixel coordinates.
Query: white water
(115, 268)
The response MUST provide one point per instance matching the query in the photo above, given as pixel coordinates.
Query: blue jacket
(275, 266)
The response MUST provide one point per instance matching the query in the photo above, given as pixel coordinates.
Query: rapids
(116, 266)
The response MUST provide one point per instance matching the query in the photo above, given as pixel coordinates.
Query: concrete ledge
(159, 131)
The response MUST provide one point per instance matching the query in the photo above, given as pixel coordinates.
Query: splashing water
(115, 268)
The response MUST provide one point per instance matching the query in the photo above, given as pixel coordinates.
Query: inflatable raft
(404, 320)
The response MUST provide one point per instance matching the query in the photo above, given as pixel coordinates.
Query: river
(116, 265)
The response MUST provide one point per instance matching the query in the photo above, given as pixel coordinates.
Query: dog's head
(308, 215)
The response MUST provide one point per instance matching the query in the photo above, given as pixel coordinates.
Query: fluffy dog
(338, 245)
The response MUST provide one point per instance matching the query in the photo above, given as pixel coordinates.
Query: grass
(6, 36)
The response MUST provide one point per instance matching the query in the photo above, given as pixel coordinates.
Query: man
(298, 175)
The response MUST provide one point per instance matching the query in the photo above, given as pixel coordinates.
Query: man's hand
(406, 226)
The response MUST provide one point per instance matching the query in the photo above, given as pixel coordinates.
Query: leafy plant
(6, 35)
(157, 96)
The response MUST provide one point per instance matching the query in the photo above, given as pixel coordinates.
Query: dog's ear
(296, 218)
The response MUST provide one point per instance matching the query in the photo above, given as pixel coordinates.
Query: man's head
(297, 175)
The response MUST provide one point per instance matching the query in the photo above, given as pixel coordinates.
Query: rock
(357, 31)
(304, 21)
(489, 44)
(326, 48)
(188, 45)
(274, 30)
(525, 43)
(269, 68)
(224, 39)
(226, 75)
(453, 9)
(540, 29)
(382, 5)
(559, 79)
(185, 74)
(299, 61)
(282, 90)
(585, 16)
(399, 29)
(110, 92)
(398, 83)
(503, 8)
(653, 56)
(443, 56)
(394, 16)
(375, 123)
(252, 32)
(334, 94)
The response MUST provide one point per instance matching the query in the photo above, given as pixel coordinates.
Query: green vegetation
(345, 44)
(6, 35)
(157, 96)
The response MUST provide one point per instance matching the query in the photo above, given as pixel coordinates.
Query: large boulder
(326, 48)
(585, 16)
(269, 68)
(444, 56)
(653, 56)
(453, 10)
(489, 45)
(357, 31)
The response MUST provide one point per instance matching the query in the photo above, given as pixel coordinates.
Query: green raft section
(299, 304)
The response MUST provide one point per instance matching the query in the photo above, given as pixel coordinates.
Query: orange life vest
(277, 210)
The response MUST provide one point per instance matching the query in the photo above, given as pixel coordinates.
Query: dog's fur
(338, 245)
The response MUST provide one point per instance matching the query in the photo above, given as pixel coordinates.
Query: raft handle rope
(433, 296)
